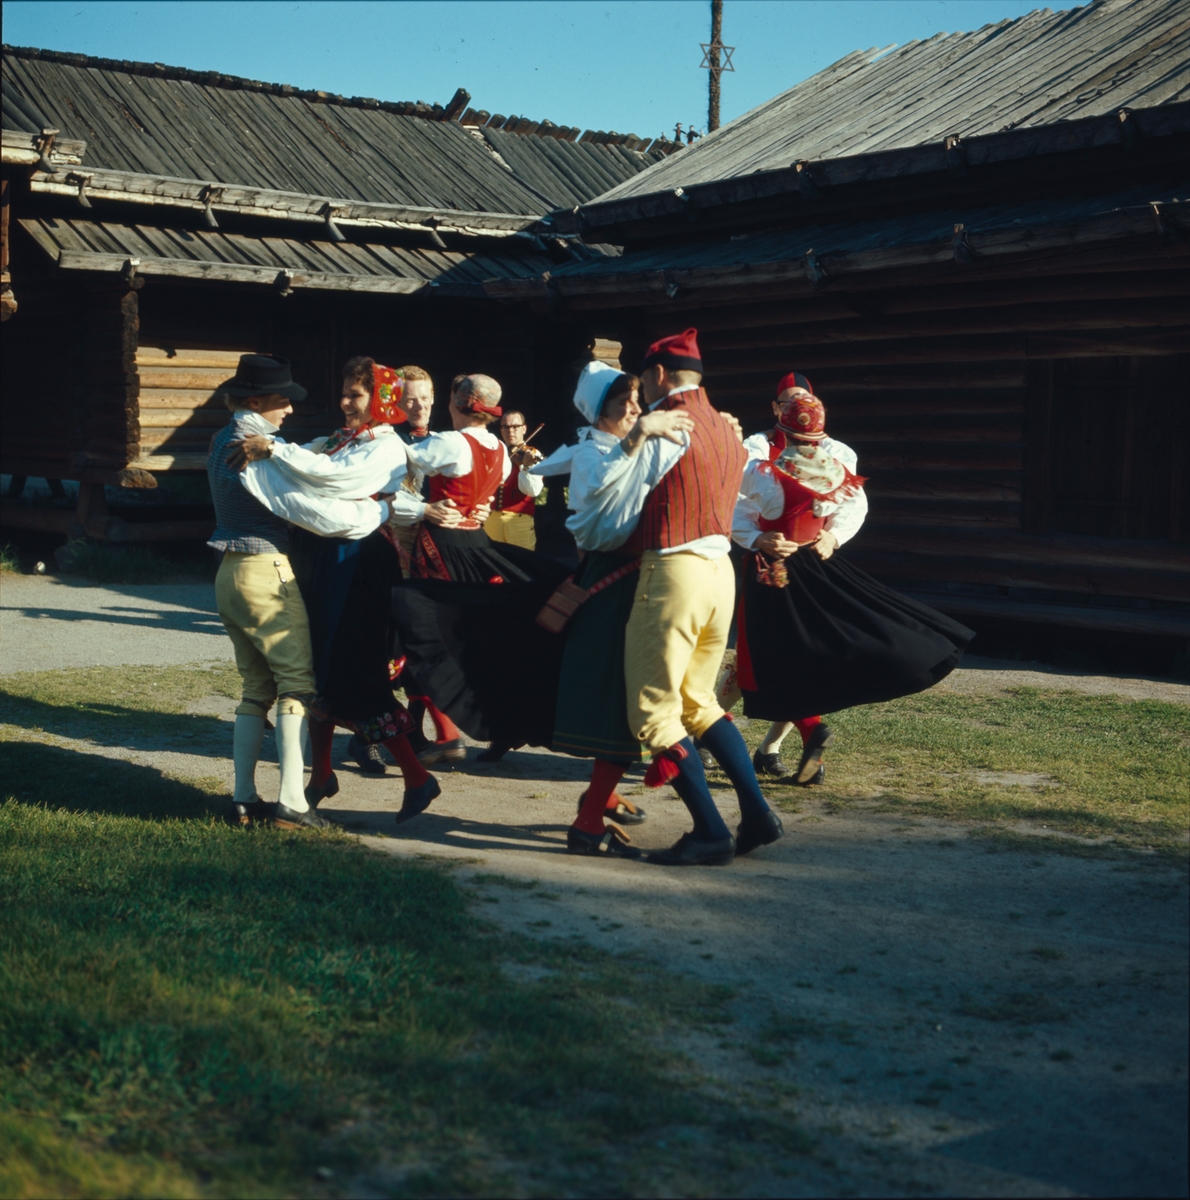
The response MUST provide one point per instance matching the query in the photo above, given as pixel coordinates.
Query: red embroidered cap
(795, 379)
(803, 418)
(677, 353)
(388, 386)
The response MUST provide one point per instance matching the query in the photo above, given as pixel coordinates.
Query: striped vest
(697, 497)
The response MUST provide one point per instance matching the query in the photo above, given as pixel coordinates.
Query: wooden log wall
(207, 326)
(1025, 441)
(73, 346)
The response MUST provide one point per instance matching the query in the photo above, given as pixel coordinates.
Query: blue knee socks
(723, 740)
(691, 785)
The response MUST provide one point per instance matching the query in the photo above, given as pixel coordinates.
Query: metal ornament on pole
(711, 62)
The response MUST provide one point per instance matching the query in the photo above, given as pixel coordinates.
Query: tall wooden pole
(713, 59)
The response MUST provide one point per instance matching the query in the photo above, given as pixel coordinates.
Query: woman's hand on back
(670, 425)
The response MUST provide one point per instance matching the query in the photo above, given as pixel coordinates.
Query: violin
(526, 456)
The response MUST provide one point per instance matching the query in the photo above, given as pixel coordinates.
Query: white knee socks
(245, 750)
(775, 736)
(289, 755)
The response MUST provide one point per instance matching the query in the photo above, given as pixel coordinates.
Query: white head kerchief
(593, 386)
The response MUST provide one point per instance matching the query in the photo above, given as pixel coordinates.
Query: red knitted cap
(677, 353)
(792, 380)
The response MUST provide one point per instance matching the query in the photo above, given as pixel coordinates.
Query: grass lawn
(188, 1009)
(1101, 767)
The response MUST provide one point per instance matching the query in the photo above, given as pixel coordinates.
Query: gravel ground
(952, 1021)
(48, 622)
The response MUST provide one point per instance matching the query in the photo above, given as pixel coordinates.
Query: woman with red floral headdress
(816, 634)
(347, 564)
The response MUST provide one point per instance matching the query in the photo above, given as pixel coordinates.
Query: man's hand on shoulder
(252, 448)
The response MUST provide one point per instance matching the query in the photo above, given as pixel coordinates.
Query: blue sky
(628, 65)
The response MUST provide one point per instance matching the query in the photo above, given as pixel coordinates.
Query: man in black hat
(258, 599)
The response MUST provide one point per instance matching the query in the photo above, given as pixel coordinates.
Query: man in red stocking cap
(682, 610)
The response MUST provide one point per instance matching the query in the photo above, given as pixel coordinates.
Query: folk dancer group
(385, 555)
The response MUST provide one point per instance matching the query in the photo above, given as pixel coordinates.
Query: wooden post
(713, 59)
(8, 304)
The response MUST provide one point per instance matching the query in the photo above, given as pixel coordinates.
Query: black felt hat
(262, 375)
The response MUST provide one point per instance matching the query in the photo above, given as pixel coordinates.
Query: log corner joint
(81, 181)
(961, 247)
(806, 183)
(1129, 130)
(328, 214)
(45, 145)
(128, 273)
(956, 154)
(209, 196)
(284, 282)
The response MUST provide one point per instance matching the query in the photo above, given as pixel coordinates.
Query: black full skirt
(834, 637)
(346, 586)
(474, 647)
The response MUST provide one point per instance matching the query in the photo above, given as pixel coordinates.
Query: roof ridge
(240, 83)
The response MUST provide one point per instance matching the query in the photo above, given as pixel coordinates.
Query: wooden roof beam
(158, 191)
(1013, 242)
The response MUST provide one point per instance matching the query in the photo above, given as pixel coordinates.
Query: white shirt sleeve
(325, 496)
(850, 516)
(760, 496)
(358, 469)
(408, 507)
(446, 454)
(353, 519)
(757, 446)
(529, 485)
(607, 492)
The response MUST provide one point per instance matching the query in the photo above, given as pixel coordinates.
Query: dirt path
(949, 1020)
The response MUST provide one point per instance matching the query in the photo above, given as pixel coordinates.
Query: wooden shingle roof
(1039, 69)
(170, 122)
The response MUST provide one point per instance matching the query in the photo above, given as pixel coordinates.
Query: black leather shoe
(418, 799)
(819, 740)
(254, 811)
(709, 762)
(623, 812)
(687, 852)
(286, 818)
(768, 764)
(611, 843)
(494, 753)
(819, 777)
(762, 831)
(315, 795)
(436, 752)
(367, 755)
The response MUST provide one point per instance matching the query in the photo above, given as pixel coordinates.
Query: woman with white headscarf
(591, 717)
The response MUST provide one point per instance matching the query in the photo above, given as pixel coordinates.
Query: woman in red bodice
(816, 634)
(465, 620)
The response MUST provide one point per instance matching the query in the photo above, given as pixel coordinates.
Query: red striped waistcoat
(697, 497)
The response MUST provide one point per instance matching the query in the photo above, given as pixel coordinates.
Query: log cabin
(158, 222)
(976, 247)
